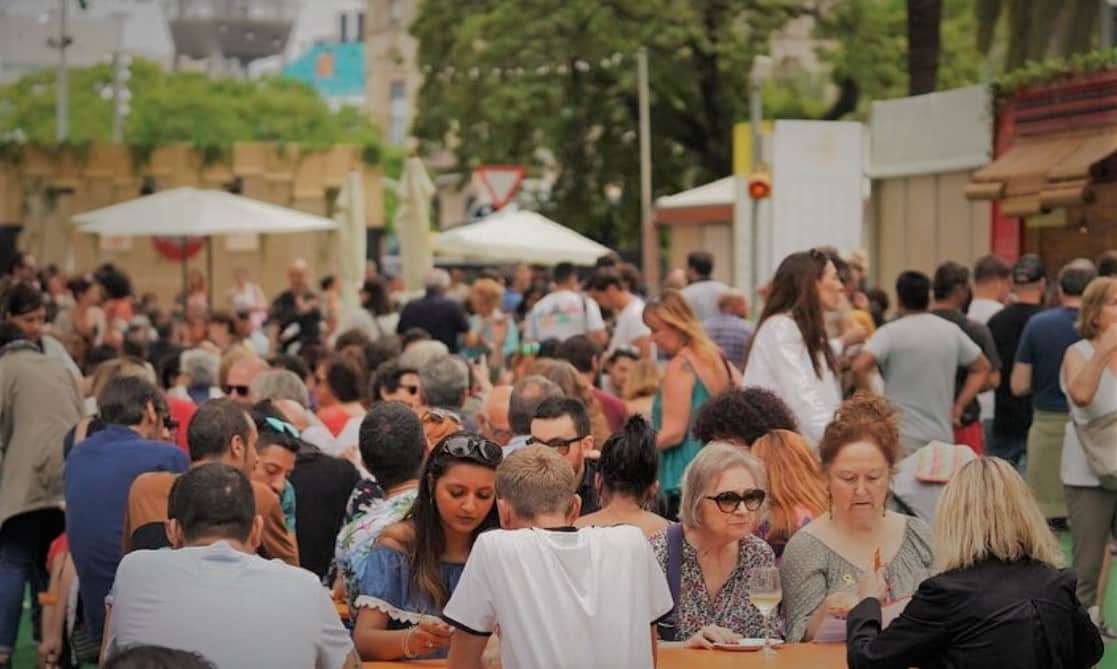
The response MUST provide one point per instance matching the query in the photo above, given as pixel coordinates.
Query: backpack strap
(668, 629)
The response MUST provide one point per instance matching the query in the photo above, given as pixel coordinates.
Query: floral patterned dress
(356, 538)
(731, 607)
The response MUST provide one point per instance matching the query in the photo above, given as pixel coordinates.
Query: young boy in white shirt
(563, 597)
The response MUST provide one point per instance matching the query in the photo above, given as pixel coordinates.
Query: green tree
(510, 78)
(1036, 29)
(210, 114)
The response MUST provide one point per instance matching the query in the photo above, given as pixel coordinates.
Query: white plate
(747, 645)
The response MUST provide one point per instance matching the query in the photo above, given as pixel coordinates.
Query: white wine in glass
(765, 594)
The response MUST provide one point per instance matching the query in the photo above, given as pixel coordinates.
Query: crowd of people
(547, 467)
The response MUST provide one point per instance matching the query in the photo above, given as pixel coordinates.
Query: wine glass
(765, 594)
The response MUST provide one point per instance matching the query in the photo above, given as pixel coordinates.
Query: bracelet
(407, 654)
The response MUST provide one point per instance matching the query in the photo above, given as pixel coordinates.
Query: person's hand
(710, 635)
(854, 335)
(840, 603)
(429, 635)
(956, 414)
(50, 650)
(873, 583)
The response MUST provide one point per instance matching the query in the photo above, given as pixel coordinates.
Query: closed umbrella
(350, 217)
(412, 223)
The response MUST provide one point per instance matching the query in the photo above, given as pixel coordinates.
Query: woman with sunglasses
(708, 557)
(415, 564)
(847, 550)
(791, 354)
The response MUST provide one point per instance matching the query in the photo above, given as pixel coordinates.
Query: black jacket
(1019, 615)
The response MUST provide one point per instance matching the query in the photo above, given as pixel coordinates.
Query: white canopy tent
(190, 212)
(508, 237)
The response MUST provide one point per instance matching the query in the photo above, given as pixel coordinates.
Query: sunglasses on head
(470, 447)
(559, 444)
(281, 426)
(729, 502)
(236, 390)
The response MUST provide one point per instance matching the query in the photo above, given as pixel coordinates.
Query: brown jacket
(146, 513)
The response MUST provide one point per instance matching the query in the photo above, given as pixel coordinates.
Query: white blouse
(779, 362)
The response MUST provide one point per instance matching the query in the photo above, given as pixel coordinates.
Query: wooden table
(790, 656)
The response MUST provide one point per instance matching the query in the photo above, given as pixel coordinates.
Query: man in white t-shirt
(611, 292)
(565, 312)
(563, 597)
(212, 594)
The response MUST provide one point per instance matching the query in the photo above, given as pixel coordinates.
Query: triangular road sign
(501, 182)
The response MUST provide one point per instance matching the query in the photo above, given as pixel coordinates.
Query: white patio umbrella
(412, 223)
(510, 236)
(351, 240)
(191, 212)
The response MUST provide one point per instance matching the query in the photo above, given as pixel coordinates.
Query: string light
(449, 73)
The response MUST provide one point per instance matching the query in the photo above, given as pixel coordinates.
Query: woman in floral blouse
(723, 495)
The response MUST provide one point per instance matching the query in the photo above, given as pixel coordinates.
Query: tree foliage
(699, 52)
(1035, 30)
(210, 114)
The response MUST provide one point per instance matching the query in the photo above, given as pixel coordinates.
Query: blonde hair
(643, 380)
(988, 512)
(566, 377)
(711, 462)
(674, 311)
(1093, 301)
(111, 369)
(485, 291)
(535, 480)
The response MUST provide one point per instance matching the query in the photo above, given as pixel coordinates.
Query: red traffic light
(760, 185)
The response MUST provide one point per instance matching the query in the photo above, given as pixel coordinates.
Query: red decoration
(178, 248)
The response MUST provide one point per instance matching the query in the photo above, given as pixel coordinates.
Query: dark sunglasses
(170, 423)
(236, 390)
(728, 502)
(471, 447)
(559, 444)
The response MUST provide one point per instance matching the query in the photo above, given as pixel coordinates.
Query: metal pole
(62, 123)
(1106, 15)
(647, 225)
(755, 114)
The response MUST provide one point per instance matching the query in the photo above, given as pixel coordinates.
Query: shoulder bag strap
(668, 629)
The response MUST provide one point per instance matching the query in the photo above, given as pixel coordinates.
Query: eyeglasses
(729, 502)
(411, 390)
(170, 423)
(559, 444)
(281, 426)
(471, 447)
(236, 390)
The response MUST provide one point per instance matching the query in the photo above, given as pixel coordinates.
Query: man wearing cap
(1008, 437)
(1045, 339)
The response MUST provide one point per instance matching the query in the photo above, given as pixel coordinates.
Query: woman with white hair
(200, 367)
(710, 554)
(1000, 598)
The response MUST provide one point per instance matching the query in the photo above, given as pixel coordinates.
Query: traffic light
(760, 185)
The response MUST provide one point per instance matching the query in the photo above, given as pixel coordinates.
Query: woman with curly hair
(832, 563)
(742, 415)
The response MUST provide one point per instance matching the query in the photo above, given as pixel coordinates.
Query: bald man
(493, 419)
(295, 314)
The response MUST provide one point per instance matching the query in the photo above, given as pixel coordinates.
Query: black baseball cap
(1028, 269)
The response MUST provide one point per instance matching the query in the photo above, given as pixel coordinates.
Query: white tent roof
(720, 192)
(515, 237)
(189, 212)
